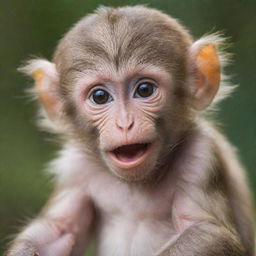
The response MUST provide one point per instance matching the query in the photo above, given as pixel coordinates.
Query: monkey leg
(204, 239)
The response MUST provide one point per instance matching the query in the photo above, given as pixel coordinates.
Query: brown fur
(189, 196)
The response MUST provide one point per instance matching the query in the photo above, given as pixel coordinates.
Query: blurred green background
(29, 28)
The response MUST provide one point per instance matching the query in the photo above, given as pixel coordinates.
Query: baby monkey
(142, 170)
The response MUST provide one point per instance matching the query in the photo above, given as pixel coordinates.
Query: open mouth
(131, 155)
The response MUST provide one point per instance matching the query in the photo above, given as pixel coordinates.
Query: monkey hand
(23, 248)
(60, 247)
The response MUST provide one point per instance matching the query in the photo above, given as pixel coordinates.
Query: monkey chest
(133, 223)
(127, 236)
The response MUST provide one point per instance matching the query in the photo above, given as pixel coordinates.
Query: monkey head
(128, 86)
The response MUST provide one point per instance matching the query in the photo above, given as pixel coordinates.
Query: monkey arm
(203, 222)
(204, 239)
(61, 229)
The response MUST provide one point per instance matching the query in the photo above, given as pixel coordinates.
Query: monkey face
(123, 75)
(125, 109)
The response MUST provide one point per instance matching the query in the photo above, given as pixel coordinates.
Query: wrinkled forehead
(118, 44)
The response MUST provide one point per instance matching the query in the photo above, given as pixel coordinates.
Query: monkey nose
(125, 126)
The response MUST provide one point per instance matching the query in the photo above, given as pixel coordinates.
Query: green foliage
(32, 27)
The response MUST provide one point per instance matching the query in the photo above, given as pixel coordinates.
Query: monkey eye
(144, 90)
(100, 96)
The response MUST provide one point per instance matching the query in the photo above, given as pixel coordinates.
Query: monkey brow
(81, 66)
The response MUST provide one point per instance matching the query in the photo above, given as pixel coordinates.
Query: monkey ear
(206, 71)
(46, 88)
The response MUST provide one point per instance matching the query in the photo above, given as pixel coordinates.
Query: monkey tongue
(130, 153)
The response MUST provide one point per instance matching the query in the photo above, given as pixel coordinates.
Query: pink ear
(206, 73)
(46, 85)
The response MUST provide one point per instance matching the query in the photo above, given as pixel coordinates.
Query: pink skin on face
(126, 123)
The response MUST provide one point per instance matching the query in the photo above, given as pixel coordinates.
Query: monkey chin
(133, 162)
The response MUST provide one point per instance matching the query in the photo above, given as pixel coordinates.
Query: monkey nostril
(129, 127)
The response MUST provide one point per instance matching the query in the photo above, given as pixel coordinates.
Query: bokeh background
(31, 27)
